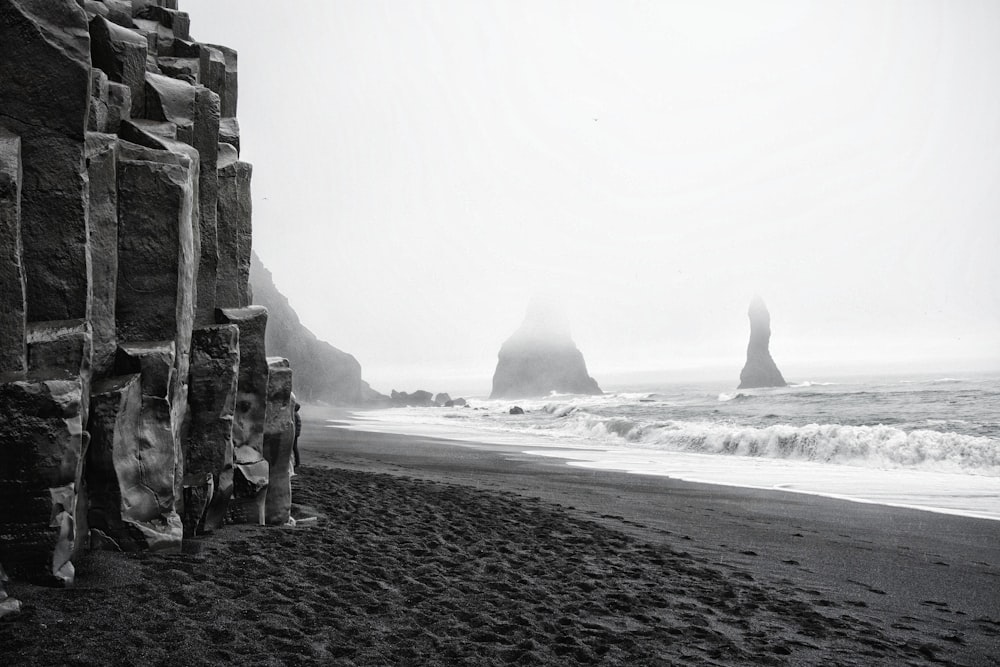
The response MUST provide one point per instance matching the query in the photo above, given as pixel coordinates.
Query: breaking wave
(810, 383)
(877, 446)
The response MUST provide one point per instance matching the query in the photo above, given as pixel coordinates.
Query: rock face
(760, 369)
(322, 372)
(540, 358)
(134, 381)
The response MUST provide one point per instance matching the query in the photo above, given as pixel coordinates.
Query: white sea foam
(964, 494)
(735, 396)
(945, 380)
(929, 444)
(870, 446)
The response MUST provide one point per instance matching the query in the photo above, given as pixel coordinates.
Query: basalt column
(193, 110)
(43, 417)
(251, 472)
(42, 445)
(45, 84)
(102, 165)
(41, 428)
(235, 229)
(208, 450)
(279, 436)
(12, 300)
(117, 514)
(155, 310)
(147, 460)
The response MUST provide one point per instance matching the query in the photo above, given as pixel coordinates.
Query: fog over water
(423, 169)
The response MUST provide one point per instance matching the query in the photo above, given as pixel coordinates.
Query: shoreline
(618, 458)
(899, 563)
(424, 552)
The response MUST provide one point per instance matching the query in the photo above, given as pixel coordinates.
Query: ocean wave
(946, 380)
(735, 396)
(560, 409)
(810, 383)
(877, 446)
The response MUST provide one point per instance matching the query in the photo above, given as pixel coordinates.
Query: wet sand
(431, 553)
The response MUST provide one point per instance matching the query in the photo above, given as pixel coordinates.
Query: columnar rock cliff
(760, 369)
(137, 402)
(322, 372)
(540, 358)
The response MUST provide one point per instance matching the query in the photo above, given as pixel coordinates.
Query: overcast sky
(422, 169)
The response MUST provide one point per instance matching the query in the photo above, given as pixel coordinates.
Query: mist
(423, 170)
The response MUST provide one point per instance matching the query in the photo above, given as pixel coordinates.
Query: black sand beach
(431, 553)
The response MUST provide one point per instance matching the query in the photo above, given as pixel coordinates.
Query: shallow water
(930, 443)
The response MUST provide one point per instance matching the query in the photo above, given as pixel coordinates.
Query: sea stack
(760, 369)
(540, 358)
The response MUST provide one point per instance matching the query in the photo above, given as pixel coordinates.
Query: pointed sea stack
(760, 370)
(540, 358)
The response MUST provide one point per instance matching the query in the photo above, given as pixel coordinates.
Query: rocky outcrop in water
(541, 358)
(322, 372)
(421, 398)
(136, 397)
(760, 369)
